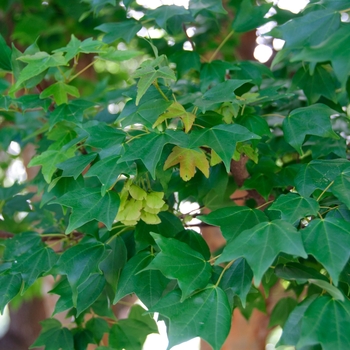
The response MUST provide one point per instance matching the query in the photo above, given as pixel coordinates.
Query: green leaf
(224, 92)
(206, 314)
(294, 207)
(292, 328)
(222, 139)
(87, 293)
(318, 174)
(148, 285)
(114, 262)
(87, 204)
(149, 148)
(119, 55)
(103, 136)
(148, 75)
(53, 336)
(195, 240)
(132, 332)
(10, 285)
(79, 263)
(214, 6)
(320, 83)
(49, 160)
(185, 61)
(237, 280)
(333, 291)
(312, 120)
(60, 92)
(261, 244)
(308, 30)
(125, 30)
(325, 323)
(5, 55)
(71, 112)
(98, 327)
(328, 240)
(281, 312)
(76, 165)
(115, 169)
(341, 185)
(234, 220)
(178, 261)
(254, 124)
(300, 273)
(250, 17)
(163, 13)
(34, 263)
(147, 113)
(334, 49)
(213, 73)
(39, 63)
(76, 46)
(31, 102)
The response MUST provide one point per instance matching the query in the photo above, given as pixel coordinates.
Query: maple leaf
(188, 159)
(176, 110)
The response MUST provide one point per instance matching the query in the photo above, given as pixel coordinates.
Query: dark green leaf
(308, 30)
(222, 139)
(237, 280)
(295, 271)
(5, 55)
(163, 13)
(87, 204)
(261, 244)
(250, 17)
(335, 49)
(76, 165)
(234, 220)
(132, 332)
(341, 185)
(54, 337)
(292, 328)
(214, 6)
(10, 285)
(328, 240)
(178, 261)
(312, 120)
(294, 207)
(103, 136)
(212, 319)
(320, 83)
(213, 73)
(78, 263)
(325, 323)
(125, 30)
(281, 312)
(114, 262)
(148, 285)
(318, 174)
(98, 327)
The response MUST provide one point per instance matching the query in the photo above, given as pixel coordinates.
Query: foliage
(126, 128)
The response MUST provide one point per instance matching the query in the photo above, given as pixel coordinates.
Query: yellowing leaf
(176, 110)
(188, 159)
(215, 158)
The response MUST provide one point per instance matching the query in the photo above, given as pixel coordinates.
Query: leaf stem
(83, 70)
(214, 258)
(325, 190)
(228, 36)
(262, 205)
(223, 271)
(136, 137)
(155, 83)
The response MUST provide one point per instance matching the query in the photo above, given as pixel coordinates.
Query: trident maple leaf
(188, 159)
(176, 110)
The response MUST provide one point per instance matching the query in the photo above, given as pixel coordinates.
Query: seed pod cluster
(136, 204)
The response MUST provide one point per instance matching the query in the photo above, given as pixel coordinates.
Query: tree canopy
(134, 110)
